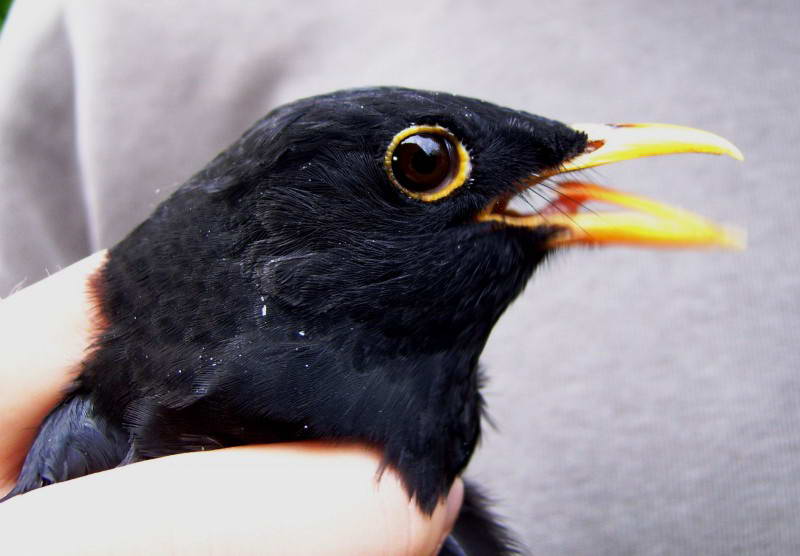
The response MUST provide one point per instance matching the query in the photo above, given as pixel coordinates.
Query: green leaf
(4, 7)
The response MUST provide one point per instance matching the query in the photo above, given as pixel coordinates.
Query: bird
(335, 274)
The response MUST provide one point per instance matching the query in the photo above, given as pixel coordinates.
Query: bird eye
(427, 162)
(423, 162)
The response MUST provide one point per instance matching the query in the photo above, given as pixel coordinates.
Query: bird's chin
(642, 221)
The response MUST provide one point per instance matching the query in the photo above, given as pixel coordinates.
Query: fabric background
(646, 402)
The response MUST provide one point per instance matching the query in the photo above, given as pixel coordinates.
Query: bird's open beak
(646, 222)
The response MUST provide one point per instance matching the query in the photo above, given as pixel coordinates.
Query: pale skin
(300, 498)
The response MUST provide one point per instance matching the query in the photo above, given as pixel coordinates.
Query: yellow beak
(614, 142)
(647, 223)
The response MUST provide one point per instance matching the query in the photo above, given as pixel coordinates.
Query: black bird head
(336, 272)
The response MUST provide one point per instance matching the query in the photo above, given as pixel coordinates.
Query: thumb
(287, 499)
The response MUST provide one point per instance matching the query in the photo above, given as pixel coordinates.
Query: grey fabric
(648, 402)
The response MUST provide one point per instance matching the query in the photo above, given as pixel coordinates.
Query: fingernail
(452, 508)
(454, 501)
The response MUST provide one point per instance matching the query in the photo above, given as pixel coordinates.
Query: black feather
(73, 441)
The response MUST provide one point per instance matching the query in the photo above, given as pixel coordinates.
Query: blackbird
(334, 274)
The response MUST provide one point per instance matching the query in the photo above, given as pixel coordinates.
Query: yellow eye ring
(427, 162)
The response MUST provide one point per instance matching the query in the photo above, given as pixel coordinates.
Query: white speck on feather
(263, 310)
(302, 332)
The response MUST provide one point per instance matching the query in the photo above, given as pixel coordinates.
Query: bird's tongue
(646, 223)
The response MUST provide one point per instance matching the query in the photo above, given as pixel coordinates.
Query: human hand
(299, 498)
